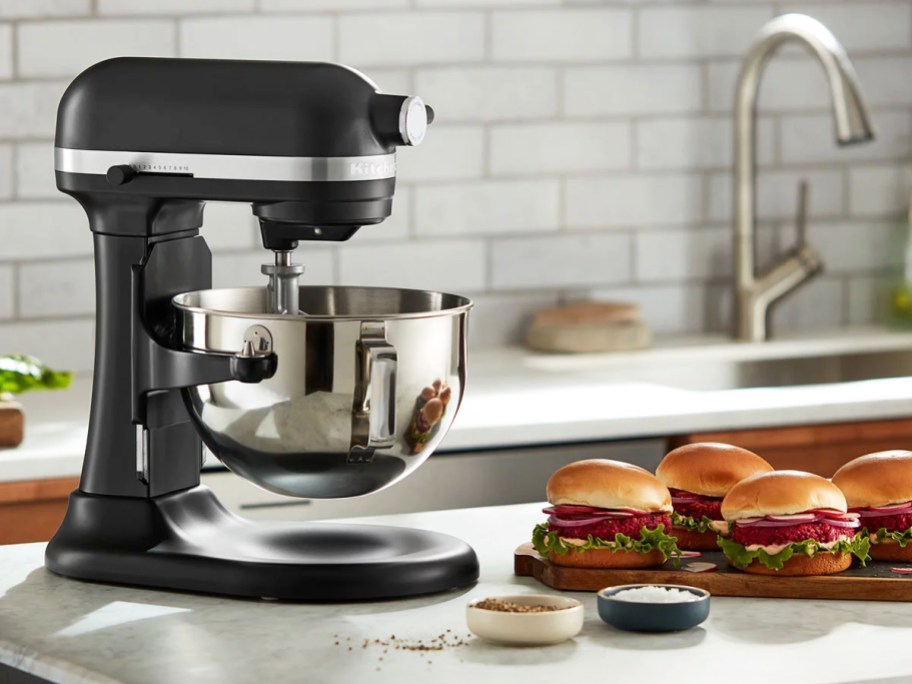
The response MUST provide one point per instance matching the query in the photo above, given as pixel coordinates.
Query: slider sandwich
(878, 488)
(606, 514)
(698, 476)
(790, 523)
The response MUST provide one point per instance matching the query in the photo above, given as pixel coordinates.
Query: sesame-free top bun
(604, 483)
(781, 492)
(877, 479)
(709, 468)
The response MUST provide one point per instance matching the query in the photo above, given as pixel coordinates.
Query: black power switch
(120, 174)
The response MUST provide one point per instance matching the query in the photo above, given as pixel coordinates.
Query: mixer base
(188, 541)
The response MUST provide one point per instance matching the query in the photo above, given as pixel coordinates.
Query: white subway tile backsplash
(489, 93)
(698, 31)
(173, 7)
(230, 226)
(666, 309)
(777, 195)
(24, 9)
(6, 51)
(633, 200)
(6, 171)
(561, 35)
(858, 246)
(79, 44)
(327, 5)
(43, 230)
(499, 319)
(560, 261)
(61, 344)
(817, 305)
(282, 38)
(671, 255)
(812, 139)
(242, 269)
(7, 293)
(578, 146)
(35, 171)
(395, 81)
(885, 80)
(631, 89)
(391, 38)
(882, 190)
(445, 265)
(869, 298)
(489, 207)
(29, 110)
(861, 26)
(560, 147)
(694, 143)
(794, 82)
(448, 153)
(57, 289)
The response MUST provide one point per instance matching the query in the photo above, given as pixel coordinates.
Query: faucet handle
(801, 218)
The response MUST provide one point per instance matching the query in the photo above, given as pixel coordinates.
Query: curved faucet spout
(753, 295)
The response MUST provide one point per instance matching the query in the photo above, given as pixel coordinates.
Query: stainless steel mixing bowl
(368, 383)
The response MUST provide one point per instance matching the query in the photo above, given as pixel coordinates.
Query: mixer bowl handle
(374, 405)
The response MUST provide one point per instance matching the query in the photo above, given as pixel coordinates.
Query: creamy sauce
(773, 549)
(719, 526)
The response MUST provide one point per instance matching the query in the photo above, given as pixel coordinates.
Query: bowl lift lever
(312, 148)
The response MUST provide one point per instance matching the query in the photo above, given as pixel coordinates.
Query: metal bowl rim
(461, 308)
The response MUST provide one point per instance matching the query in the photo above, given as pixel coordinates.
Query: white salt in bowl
(653, 607)
(526, 629)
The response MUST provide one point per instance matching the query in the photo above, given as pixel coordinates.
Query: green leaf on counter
(704, 524)
(740, 557)
(902, 538)
(546, 542)
(20, 373)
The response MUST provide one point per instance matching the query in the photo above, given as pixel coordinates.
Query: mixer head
(310, 145)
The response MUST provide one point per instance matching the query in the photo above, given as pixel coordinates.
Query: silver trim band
(230, 166)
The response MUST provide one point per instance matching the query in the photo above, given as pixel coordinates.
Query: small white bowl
(527, 629)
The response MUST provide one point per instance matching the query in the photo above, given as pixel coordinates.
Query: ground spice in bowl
(509, 607)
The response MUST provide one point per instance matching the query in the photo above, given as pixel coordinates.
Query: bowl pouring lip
(572, 606)
(178, 303)
(608, 594)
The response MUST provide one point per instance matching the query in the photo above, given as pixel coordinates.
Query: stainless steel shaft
(282, 289)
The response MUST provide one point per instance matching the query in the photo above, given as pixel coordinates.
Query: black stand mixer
(311, 391)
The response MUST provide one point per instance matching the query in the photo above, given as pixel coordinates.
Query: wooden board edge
(528, 563)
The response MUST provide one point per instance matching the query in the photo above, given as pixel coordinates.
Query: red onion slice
(690, 554)
(700, 567)
(840, 523)
(902, 571)
(563, 522)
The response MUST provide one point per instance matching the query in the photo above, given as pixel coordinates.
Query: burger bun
(604, 483)
(606, 558)
(801, 565)
(709, 468)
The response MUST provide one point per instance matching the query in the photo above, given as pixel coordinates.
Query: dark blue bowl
(652, 617)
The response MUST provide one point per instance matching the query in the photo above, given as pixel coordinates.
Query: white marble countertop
(69, 631)
(515, 397)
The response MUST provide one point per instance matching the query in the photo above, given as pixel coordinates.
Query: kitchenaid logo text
(161, 168)
(373, 169)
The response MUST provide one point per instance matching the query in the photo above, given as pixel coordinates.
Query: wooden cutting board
(876, 582)
(11, 424)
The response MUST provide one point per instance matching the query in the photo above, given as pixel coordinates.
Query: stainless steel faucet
(755, 294)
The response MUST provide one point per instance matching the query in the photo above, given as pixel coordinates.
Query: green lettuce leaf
(19, 373)
(740, 557)
(546, 542)
(704, 524)
(901, 538)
